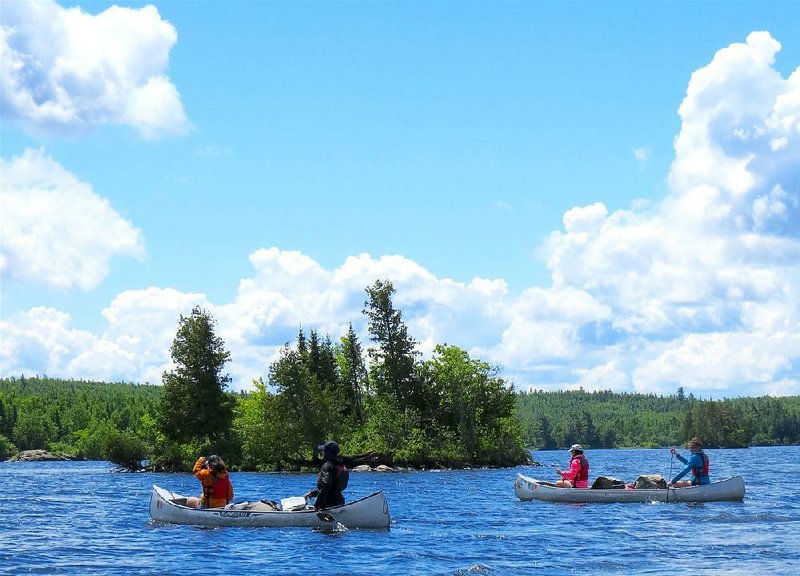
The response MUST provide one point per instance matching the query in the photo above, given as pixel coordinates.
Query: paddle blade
(325, 517)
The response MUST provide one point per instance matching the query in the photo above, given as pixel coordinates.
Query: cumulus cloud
(65, 70)
(56, 230)
(287, 290)
(701, 290)
(134, 347)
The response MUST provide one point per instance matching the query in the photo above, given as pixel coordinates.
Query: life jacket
(217, 491)
(584, 472)
(699, 472)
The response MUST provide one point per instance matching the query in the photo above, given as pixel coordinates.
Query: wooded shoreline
(126, 406)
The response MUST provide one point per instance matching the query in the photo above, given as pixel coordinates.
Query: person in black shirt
(332, 478)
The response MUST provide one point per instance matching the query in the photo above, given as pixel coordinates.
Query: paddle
(329, 518)
(671, 460)
(325, 517)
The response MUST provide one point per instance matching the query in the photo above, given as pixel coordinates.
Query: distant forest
(99, 420)
(610, 420)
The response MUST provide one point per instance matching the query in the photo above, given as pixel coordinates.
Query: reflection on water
(79, 518)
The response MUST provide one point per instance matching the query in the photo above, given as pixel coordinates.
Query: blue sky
(597, 195)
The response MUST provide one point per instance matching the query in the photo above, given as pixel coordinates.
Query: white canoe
(531, 489)
(369, 512)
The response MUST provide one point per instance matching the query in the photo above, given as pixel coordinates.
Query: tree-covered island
(382, 404)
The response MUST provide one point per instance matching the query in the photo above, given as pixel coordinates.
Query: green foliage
(34, 427)
(608, 420)
(383, 429)
(393, 369)
(71, 416)
(353, 373)
(309, 402)
(124, 448)
(472, 405)
(7, 448)
(194, 406)
(448, 411)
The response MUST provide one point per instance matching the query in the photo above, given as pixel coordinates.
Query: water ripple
(80, 519)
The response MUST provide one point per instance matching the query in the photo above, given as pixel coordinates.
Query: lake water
(79, 518)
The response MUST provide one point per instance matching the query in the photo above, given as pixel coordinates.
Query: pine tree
(394, 367)
(194, 406)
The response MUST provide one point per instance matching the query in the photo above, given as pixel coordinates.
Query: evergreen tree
(394, 366)
(353, 372)
(194, 406)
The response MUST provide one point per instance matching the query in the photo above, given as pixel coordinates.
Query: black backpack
(342, 477)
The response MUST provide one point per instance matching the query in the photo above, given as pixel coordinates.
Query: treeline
(92, 420)
(612, 420)
(448, 411)
(117, 422)
(379, 401)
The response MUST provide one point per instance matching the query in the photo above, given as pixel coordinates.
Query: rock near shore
(39, 456)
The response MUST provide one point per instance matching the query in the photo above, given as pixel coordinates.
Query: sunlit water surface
(81, 518)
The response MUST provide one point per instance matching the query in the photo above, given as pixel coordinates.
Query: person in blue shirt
(697, 464)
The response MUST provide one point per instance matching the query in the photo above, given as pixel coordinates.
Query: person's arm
(684, 471)
(325, 476)
(322, 479)
(574, 469)
(198, 469)
(681, 458)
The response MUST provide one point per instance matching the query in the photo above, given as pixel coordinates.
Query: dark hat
(330, 449)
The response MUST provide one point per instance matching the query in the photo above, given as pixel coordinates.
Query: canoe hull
(371, 512)
(729, 489)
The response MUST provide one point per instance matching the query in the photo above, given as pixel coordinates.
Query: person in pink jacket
(578, 474)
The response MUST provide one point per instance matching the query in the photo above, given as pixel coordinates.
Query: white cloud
(134, 347)
(55, 229)
(691, 284)
(604, 377)
(66, 70)
(701, 290)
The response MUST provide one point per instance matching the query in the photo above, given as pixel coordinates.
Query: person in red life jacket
(578, 474)
(697, 464)
(332, 478)
(217, 486)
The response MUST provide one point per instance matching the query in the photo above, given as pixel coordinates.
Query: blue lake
(80, 518)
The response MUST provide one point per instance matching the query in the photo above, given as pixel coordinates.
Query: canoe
(731, 489)
(369, 512)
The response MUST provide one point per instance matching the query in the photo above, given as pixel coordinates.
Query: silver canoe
(531, 489)
(369, 512)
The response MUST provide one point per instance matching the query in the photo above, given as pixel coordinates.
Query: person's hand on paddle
(673, 451)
